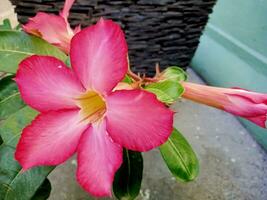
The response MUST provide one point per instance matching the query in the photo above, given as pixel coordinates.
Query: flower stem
(133, 75)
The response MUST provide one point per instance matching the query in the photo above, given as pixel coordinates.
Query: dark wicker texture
(163, 31)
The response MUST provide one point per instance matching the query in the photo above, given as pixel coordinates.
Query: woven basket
(158, 31)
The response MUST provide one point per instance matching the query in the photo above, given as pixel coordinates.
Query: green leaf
(180, 157)
(7, 87)
(43, 191)
(167, 91)
(16, 184)
(15, 46)
(67, 61)
(11, 128)
(128, 178)
(18, 27)
(174, 73)
(6, 25)
(127, 79)
(10, 100)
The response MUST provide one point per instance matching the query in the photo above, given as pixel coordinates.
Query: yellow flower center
(92, 105)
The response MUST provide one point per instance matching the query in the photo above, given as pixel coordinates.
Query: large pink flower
(55, 29)
(240, 102)
(81, 112)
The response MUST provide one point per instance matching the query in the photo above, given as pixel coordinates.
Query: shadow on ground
(233, 165)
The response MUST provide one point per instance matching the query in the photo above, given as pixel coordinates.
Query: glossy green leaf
(174, 73)
(167, 91)
(16, 184)
(127, 181)
(180, 157)
(43, 191)
(10, 100)
(11, 128)
(16, 45)
(6, 25)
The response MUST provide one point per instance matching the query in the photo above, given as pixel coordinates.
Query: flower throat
(92, 105)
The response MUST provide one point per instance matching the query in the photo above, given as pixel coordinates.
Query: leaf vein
(181, 158)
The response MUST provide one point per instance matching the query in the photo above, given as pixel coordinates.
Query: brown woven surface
(164, 31)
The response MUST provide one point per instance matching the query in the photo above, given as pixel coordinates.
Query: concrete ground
(233, 165)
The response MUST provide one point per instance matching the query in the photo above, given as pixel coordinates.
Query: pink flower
(53, 28)
(240, 102)
(81, 112)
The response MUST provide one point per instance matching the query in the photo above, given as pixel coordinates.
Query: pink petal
(99, 56)
(52, 28)
(137, 120)
(244, 107)
(50, 139)
(98, 160)
(253, 96)
(77, 29)
(259, 120)
(65, 12)
(45, 83)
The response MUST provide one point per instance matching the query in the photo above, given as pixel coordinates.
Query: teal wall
(233, 50)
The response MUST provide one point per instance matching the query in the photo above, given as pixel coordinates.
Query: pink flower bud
(240, 102)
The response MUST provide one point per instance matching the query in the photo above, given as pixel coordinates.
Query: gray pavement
(232, 165)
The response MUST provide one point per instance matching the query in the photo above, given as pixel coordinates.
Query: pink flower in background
(81, 112)
(55, 29)
(240, 102)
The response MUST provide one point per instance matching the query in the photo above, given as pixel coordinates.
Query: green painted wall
(233, 50)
